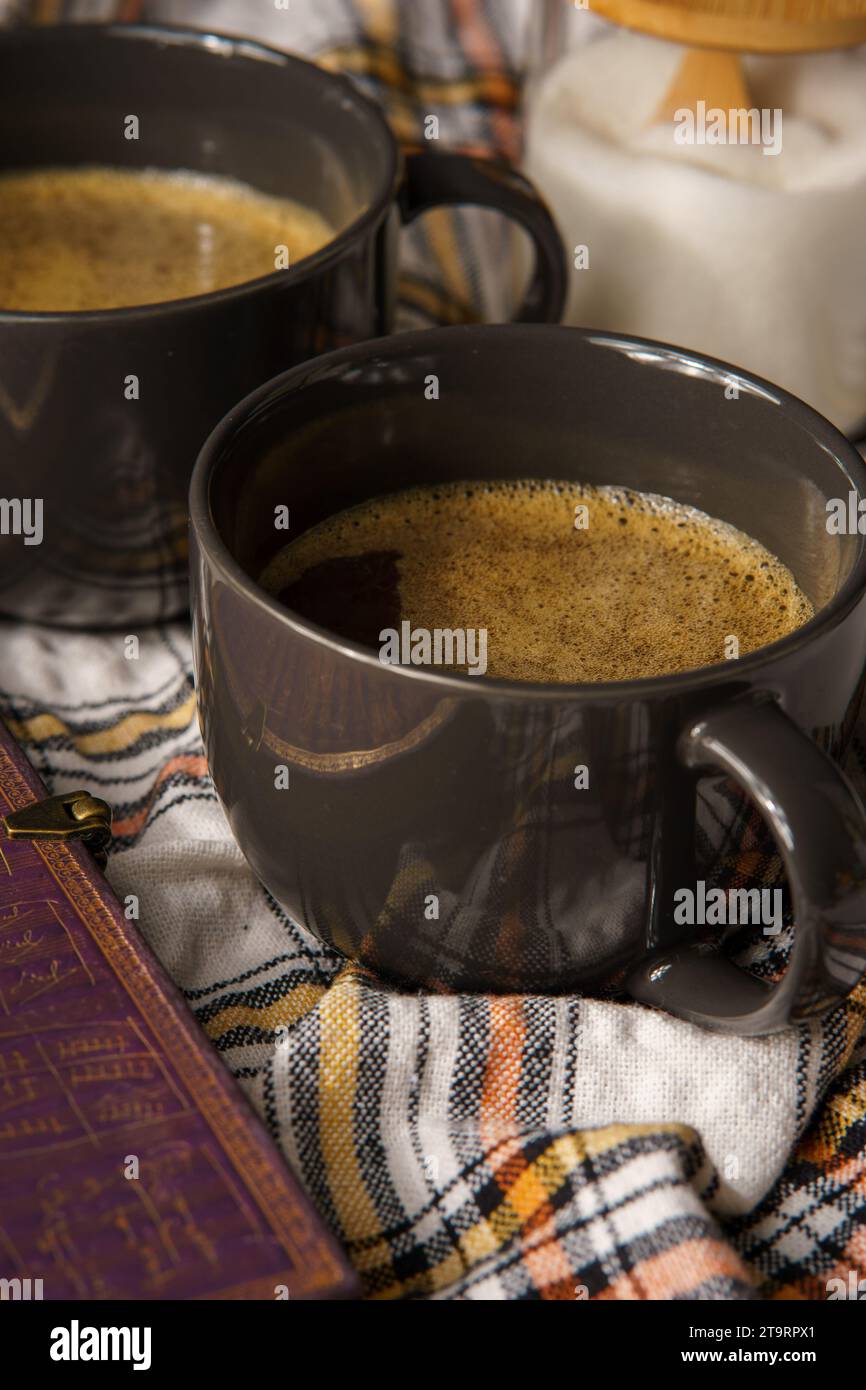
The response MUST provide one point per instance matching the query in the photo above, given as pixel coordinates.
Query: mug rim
(205, 531)
(230, 46)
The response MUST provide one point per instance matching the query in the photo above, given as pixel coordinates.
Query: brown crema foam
(102, 238)
(648, 587)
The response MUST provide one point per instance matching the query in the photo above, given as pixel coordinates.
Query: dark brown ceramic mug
(112, 473)
(406, 783)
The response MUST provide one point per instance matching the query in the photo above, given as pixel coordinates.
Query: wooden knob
(746, 26)
(715, 78)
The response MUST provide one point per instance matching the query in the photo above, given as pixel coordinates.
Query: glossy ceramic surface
(409, 786)
(102, 414)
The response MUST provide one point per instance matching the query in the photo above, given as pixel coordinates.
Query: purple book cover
(103, 1065)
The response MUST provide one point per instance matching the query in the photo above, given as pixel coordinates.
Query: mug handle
(433, 179)
(819, 825)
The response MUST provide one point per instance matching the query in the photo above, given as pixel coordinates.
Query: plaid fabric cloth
(460, 1147)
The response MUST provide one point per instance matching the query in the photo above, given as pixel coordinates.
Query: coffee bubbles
(569, 583)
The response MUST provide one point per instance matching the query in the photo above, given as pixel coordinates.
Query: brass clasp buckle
(72, 815)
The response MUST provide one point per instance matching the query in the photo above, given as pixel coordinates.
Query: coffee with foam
(102, 238)
(570, 583)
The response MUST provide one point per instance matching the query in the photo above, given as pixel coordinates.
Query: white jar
(758, 258)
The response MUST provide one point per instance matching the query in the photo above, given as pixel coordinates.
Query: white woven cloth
(130, 735)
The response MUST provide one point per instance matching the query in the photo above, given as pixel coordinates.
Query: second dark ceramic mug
(112, 472)
(408, 786)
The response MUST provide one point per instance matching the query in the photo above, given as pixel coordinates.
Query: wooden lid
(749, 26)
